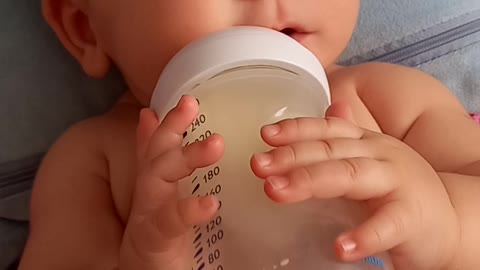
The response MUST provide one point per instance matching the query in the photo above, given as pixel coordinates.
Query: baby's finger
(285, 158)
(170, 132)
(197, 210)
(309, 129)
(177, 218)
(342, 110)
(157, 239)
(354, 178)
(157, 182)
(387, 228)
(180, 162)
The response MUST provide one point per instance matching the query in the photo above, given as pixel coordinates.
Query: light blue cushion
(387, 26)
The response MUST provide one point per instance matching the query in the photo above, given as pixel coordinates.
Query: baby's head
(141, 36)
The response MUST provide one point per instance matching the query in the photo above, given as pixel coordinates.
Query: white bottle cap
(236, 47)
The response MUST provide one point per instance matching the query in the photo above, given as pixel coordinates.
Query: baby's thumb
(388, 228)
(340, 109)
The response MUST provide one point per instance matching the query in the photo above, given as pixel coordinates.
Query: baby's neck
(332, 69)
(129, 98)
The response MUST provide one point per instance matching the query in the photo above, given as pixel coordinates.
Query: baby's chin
(139, 88)
(135, 98)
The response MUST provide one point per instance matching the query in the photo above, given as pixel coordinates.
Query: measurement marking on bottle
(199, 260)
(211, 174)
(196, 189)
(198, 122)
(198, 253)
(204, 136)
(197, 238)
(194, 179)
(198, 245)
(201, 266)
(197, 229)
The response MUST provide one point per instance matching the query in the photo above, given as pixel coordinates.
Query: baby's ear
(71, 24)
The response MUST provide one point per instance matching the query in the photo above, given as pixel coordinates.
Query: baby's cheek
(326, 49)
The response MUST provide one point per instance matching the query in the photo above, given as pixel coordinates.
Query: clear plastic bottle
(251, 82)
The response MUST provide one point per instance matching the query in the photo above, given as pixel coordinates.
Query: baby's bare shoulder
(415, 108)
(82, 151)
(396, 95)
(73, 189)
(91, 136)
(101, 135)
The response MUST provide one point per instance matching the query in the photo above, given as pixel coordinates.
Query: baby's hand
(410, 212)
(155, 236)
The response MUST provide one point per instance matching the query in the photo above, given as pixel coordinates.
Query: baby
(394, 139)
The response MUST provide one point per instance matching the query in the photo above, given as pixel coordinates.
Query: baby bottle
(244, 78)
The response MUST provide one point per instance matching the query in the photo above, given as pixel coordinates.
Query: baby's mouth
(288, 31)
(294, 33)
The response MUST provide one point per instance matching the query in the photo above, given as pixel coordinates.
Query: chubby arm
(73, 221)
(420, 111)
(417, 109)
(453, 150)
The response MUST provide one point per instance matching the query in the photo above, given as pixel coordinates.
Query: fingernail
(263, 159)
(271, 130)
(278, 182)
(181, 101)
(206, 202)
(348, 245)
